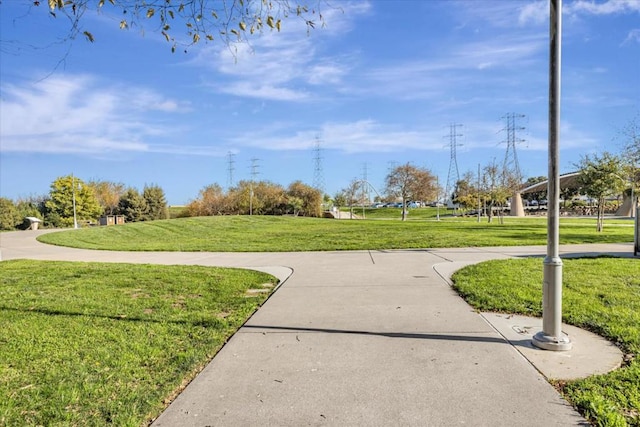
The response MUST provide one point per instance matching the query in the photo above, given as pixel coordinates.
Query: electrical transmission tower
(318, 176)
(254, 174)
(231, 168)
(511, 167)
(366, 195)
(454, 173)
(254, 168)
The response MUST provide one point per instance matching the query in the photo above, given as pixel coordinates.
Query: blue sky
(378, 86)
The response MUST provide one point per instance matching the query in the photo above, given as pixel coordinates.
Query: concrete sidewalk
(370, 338)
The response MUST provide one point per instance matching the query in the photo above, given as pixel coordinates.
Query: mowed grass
(110, 344)
(601, 295)
(290, 234)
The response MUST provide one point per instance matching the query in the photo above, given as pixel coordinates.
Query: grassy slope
(97, 344)
(602, 295)
(283, 234)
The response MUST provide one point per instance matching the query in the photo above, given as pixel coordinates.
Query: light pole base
(548, 342)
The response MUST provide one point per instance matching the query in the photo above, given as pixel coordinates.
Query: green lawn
(96, 344)
(601, 295)
(285, 234)
(122, 338)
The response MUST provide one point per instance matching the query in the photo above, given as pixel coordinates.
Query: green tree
(295, 204)
(409, 182)
(465, 193)
(60, 206)
(496, 188)
(156, 202)
(33, 206)
(352, 194)
(132, 205)
(631, 156)
(10, 217)
(108, 194)
(198, 20)
(258, 198)
(310, 197)
(340, 199)
(601, 176)
(211, 201)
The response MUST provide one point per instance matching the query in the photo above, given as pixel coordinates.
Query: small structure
(568, 180)
(108, 220)
(33, 222)
(112, 220)
(627, 208)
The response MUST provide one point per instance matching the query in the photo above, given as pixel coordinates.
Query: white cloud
(603, 8)
(280, 65)
(494, 62)
(79, 114)
(257, 89)
(361, 136)
(536, 12)
(633, 36)
(498, 14)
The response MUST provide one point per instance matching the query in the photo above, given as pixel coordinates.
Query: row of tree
(257, 198)
(404, 183)
(70, 195)
(601, 176)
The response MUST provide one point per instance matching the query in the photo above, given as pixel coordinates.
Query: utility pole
(453, 174)
(254, 173)
(551, 337)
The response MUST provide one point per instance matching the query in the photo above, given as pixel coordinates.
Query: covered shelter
(33, 222)
(568, 180)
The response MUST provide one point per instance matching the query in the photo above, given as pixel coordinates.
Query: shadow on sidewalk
(442, 337)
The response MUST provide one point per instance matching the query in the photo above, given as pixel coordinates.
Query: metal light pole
(437, 198)
(636, 240)
(251, 198)
(634, 213)
(479, 205)
(551, 337)
(73, 197)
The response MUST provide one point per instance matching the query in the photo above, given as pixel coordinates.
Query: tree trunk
(404, 210)
(600, 220)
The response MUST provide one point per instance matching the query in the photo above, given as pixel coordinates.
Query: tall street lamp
(73, 198)
(551, 337)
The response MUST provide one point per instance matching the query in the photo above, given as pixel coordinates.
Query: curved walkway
(375, 338)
